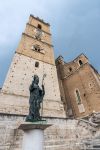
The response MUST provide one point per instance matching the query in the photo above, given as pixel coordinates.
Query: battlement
(41, 20)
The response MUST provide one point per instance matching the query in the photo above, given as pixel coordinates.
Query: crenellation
(41, 20)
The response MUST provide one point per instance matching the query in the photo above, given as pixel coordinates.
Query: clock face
(38, 34)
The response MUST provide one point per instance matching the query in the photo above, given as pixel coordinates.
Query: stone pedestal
(33, 135)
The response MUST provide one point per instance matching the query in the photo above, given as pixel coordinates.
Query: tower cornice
(41, 20)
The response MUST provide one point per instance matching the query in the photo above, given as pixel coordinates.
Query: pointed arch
(80, 62)
(78, 97)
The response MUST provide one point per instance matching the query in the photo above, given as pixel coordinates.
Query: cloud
(74, 25)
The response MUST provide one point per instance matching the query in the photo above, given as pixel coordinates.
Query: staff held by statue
(44, 75)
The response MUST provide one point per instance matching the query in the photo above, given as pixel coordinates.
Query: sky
(75, 28)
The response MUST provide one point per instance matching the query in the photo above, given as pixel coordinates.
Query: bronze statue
(36, 97)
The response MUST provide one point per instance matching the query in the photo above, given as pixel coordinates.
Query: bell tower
(34, 55)
(36, 41)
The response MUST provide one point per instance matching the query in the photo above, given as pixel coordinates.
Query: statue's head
(36, 79)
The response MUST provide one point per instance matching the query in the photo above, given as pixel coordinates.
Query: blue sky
(75, 27)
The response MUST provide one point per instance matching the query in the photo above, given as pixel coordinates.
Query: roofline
(41, 20)
(73, 59)
(77, 58)
(95, 70)
(80, 55)
(59, 57)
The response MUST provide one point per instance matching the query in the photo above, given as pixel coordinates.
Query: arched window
(36, 48)
(78, 98)
(80, 62)
(70, 69)
(39, 26)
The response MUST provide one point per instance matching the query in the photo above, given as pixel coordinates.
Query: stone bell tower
(34, 55)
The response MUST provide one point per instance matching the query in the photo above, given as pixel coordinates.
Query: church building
(74, 93)
(79, 84)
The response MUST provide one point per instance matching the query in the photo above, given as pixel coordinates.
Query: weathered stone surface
(82, 77)
(63, 134)
(16, 87)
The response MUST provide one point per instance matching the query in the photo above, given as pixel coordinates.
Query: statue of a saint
(36, 97)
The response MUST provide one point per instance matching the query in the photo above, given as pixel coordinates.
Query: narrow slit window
(39, 26)
(78, 98)
(36, 64)
(70, 69)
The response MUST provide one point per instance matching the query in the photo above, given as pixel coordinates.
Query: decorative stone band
(36, 28)
(24, 34)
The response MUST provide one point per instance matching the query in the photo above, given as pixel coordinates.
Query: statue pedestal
(33, 135)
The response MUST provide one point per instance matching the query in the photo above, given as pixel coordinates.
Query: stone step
(61, 146)
(92, 149)
(61, 142)
(96, 146)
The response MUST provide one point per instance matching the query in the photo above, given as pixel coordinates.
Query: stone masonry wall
(81, 77)
(31, 30)
(25, 48)
(63, 134)
(14, 97)
(85, 82)
(35, 22)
